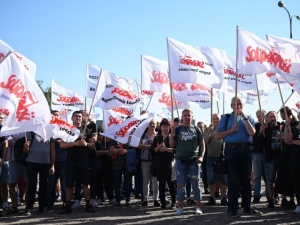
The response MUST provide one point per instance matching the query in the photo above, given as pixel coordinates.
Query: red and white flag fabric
(92, 76)
(155, 75)
(257, 56)
(114, 91)
(22, 99)
(162, 103)
(293, 102)
(111, 119)
(28, 64)
(189, 65)
(63, 98)
(269, 81)
(191, 92)
(130, 131)
(64, 130)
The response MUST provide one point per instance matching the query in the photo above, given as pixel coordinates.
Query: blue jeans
(211, 175)
(182, 171)
(60, 173)
(117, 185)
(271, 169)
(239, 166)
(258, 170)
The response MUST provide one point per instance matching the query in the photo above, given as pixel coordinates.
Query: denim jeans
(239, 166)
(60, 173)
(271, 169)
(33, 170)
(182, 171)
(212, 176)
(258, 170)
(117, 185)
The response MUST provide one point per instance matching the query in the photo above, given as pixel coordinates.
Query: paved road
(109, 215)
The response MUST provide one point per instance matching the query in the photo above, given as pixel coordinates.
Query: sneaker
(172, 205)
(297, 210)
(145, 203)
(256, 199)
(217, 194)
(156, 203)
(252, 211)
(211, 202)
(234, 215)
(127, 204)
(5, 206)
(206, 191)
(48, 210)
(198, 210)
(58, 198)
(100, 201)
(89, 209)
(66, 209)
(28, 212)
(12, 210)
(179, 211)
(190, 201)
(289, 205)
(94, 203)
(224, 201)
(271, 204)
(76, 204)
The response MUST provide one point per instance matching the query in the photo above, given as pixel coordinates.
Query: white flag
(63, 98)
(130, 131)
(21, 98)
(28, 64)
(64, 130)
(257, 56)
(189, 65)
(114, 91)
(294, 102)
(155, 75)
(92, 76)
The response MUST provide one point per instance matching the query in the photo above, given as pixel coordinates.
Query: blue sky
(61, 36)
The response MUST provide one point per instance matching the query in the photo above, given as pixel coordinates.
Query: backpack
(19, 154)
(131, 161)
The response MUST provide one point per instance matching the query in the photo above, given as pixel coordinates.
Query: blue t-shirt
(241, 135)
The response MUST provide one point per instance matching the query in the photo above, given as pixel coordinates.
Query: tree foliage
(46, 91)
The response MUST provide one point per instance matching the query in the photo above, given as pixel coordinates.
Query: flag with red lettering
(269, 81)
(191, 92)
(63, 98)
(28, 64)
(114, 91)
(293, 102)
(130, 131)
(155, 75)
(111, 119)
(92, 76)
(162, 103)
(187, 64)
(257, 56)
(25, 103)
(64, 130)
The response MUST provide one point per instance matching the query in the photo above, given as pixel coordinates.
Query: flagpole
(236, 72)
(175, 102)
(211, 105)
(286, 101)
(141, 108)
(172, 114)
(283, 104)
(5, 57)
(223, 102)
(259, 105)
(92, 101)
(149, 102)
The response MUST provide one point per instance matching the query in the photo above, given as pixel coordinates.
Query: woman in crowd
(164, 156)
(146, 163)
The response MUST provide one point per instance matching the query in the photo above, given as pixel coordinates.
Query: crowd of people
(172, 157)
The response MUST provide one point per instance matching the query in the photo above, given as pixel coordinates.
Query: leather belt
(231, 144)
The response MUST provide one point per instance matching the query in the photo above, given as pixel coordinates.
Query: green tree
(46, 91)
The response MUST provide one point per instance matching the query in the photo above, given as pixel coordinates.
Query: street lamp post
(280, 4)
